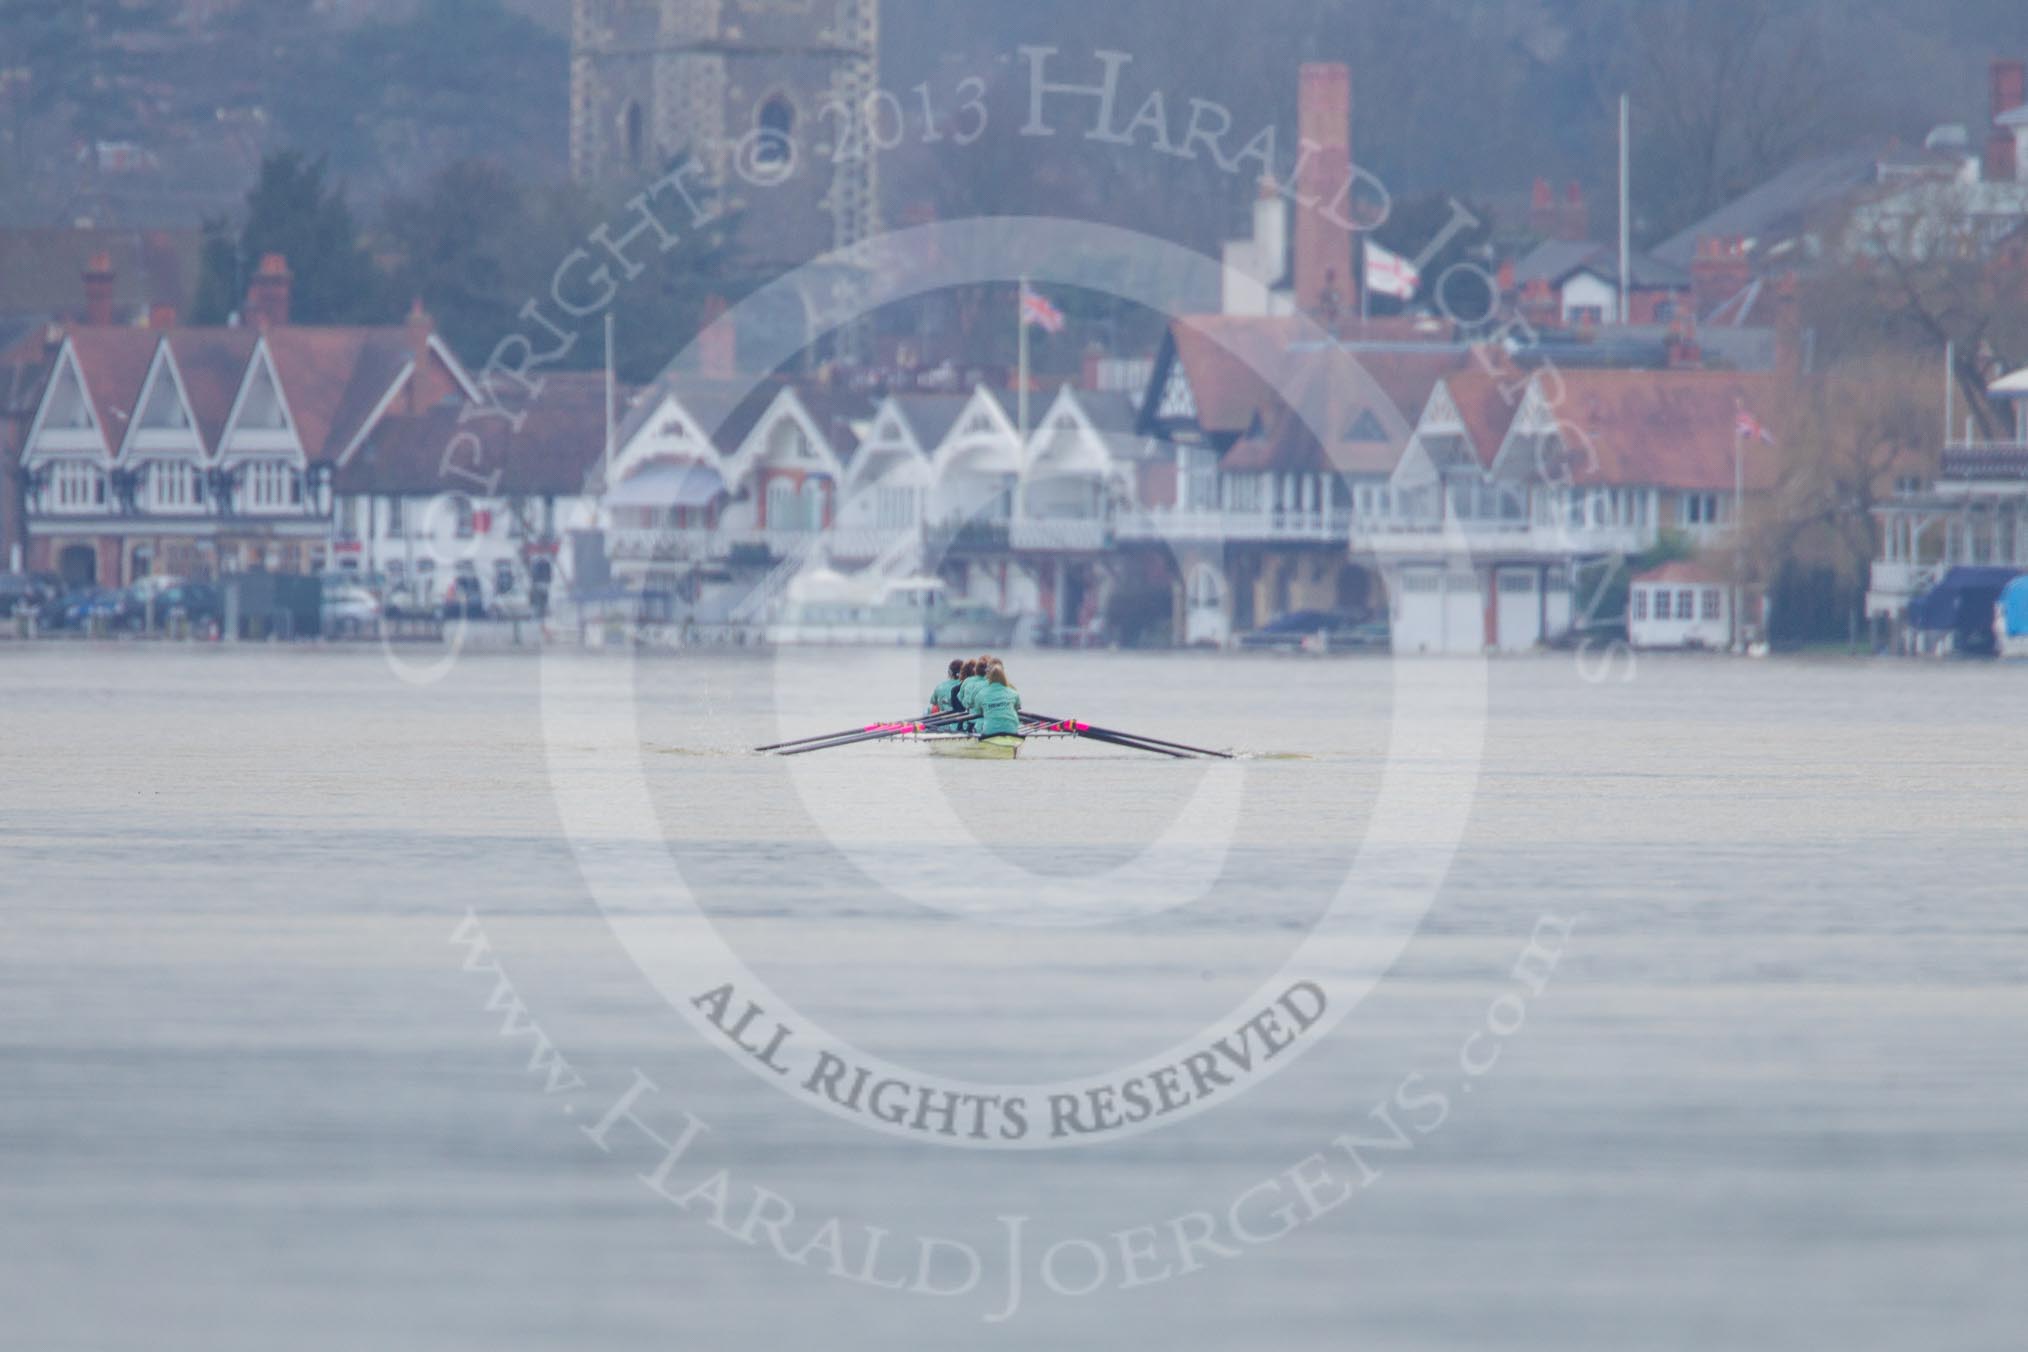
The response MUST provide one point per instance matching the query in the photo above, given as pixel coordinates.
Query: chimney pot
(99, 279)
(268, 295)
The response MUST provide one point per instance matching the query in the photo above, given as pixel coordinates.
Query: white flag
(1389, 274)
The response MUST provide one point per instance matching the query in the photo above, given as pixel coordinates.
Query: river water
(1676, 1009)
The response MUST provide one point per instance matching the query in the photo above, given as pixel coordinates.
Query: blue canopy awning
(1962, 601)
(668, 486)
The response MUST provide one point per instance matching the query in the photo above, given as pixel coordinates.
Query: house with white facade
(1681, 605)
(195, 452)
(1972, 514)
(1515, 482)
(460, 497)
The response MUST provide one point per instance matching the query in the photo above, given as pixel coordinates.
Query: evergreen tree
(292, 211)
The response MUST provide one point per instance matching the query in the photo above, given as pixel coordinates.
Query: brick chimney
(2010, 91)
(1684, 352)
(717, 345)
(1542, 214)
(267, 296)
(98, 289)
(1324, 278)
(1788, 327)
(431, 383)
(1574, 221)
(1506, 277)
(1719, 271)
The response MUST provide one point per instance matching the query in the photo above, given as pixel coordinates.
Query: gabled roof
(1346, 413)
(1665, 429)
(1556, 261)
(725, 410)
(555, 451)
(213, 365)
(1486, 407)
(1682, 570)
(931, 416)
(114, 362)
(838, 413)
(334, 378)
(1777, 207)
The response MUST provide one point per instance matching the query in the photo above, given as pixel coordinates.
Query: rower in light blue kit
(998, 705)
(944, 699)
(974, 677)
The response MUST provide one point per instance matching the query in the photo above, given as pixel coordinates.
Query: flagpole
(1365, 283)
(1738, 538)
(1626, 212)
(610, 380)
(1021, 325)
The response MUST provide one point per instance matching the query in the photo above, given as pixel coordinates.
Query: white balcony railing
(1323, 527)
(1061, 533)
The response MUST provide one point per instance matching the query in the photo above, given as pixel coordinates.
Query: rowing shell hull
(975, 748)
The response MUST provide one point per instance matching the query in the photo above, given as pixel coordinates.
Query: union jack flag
(1037, 310)
(1746, 427)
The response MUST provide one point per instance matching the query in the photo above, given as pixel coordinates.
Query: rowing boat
(965, 746)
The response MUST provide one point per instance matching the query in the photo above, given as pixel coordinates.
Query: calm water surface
(1770, 1095)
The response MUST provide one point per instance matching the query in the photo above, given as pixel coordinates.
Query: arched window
(776, 123)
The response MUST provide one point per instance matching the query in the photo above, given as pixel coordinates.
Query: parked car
(80, 608)
(1335, 629)
(26, 591)
(350, 610)
(198, 602)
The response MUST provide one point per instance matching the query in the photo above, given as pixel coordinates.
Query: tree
(1845, 435)
(1927, 272)
(475, 245)
(293, 212)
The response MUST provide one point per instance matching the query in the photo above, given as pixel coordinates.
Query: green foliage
(292, 211)
(1140, 615)
(476, 245)
(1813, 604)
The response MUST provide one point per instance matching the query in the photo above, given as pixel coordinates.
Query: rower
(974, 676)
(943, 699)
(999, 705)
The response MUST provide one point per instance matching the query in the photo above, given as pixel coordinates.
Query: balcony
(1989, 461)
(1059, 534)
(1293, 526)
(1477, 539)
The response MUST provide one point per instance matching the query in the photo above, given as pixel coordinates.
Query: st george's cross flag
(1389, 274)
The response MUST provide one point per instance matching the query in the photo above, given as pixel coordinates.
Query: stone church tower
(758, 90)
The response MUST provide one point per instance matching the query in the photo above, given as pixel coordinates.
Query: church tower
(769, 95)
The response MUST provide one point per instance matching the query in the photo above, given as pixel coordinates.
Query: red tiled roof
(1486, 406)
(333, 379)
(1682, 570)
(554, 452)
(1239, 367)
(114, 362)
(1667, 429)
(1345, 413)
(212, 363)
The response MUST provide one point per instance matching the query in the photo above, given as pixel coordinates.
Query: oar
(854, 732)
(874, 735)
(1110, 738)
(1086, 728)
